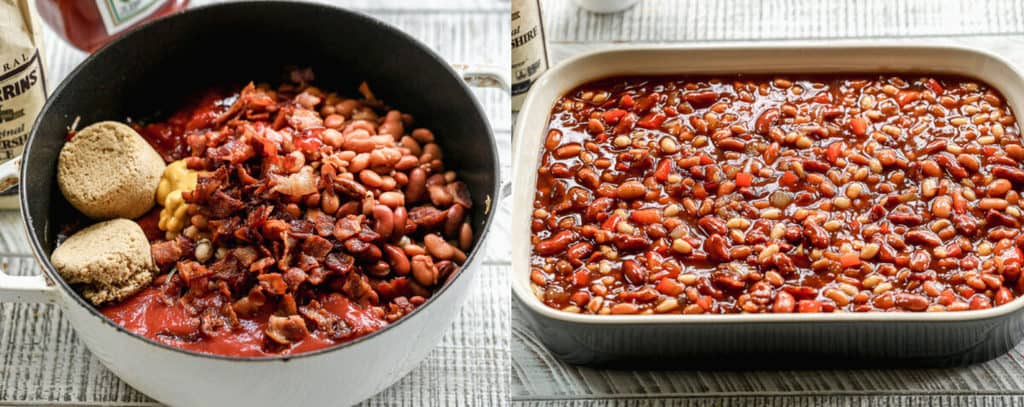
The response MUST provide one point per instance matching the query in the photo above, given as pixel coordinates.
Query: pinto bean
(438, 247)
(370, 178)
(424, 271)
(359, 163)
(423, 136)
(392, 199)
(440, 196)
(407, 162)
(454, 221)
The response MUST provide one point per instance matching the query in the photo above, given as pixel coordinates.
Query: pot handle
(9, 173)
(487, 76)
(25, 289)
(484, 76)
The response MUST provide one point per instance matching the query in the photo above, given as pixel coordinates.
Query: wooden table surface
(43, 363)
(539, 379)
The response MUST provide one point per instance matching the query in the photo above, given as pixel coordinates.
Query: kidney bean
(767, 119)
(712, 225)
(401, 219)
(980, 302)
(385, 220)
(1003, 296)
(454, 220)
(555, 244)
(631, 190)
(397, 259)
(392, 199)
(919, 260)
(923, 237)
(414, 191)
(634, 272)
(700, 99)
(1015, 175)
(911, 302)
(466, 237)
(996, 218)
(568, 151)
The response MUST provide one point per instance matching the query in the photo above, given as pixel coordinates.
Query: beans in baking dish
(749, 194)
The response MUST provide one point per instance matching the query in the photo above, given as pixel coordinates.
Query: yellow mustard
(177, 178)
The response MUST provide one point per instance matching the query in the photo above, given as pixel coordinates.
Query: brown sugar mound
(107, 170)
(111, 259)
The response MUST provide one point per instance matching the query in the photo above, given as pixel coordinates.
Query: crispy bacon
(166, 253)
(300, 208)
(285, 330)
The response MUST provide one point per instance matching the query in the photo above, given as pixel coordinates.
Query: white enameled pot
(341, 46)
(749, 340)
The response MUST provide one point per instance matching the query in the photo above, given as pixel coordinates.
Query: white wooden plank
(988, 400)
(43, 363)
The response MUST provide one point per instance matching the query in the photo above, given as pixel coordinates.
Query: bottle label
(529, 55)
(118, 15)
(22, 94)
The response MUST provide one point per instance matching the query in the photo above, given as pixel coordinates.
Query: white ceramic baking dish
(741, 340)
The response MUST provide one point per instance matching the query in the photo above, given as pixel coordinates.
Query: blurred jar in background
(90, 24)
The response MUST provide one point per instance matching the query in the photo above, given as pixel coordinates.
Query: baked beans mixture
(753, 194)
(316, 219)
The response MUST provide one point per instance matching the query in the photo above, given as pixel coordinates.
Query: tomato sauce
(168, 137)
(146, 314)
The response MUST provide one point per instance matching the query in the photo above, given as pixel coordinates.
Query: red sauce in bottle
(90, 24)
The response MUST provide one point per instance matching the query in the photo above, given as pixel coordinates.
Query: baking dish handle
(25, 289)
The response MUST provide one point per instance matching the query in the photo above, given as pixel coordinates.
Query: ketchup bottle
(89, 24)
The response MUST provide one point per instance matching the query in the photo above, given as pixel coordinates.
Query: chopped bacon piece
(166, 253)
(285, 330)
